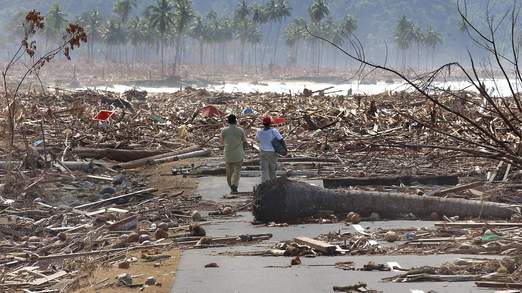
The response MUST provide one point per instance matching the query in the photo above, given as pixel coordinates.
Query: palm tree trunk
(162, 56)
(276, 42)
(242, 54)
(200, 52)
(283, 200)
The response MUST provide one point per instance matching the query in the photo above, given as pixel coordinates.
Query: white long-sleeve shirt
(265, 137)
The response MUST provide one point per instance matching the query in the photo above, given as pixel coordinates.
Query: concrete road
(257, 274)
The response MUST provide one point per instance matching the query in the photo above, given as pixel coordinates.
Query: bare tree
(475, 124)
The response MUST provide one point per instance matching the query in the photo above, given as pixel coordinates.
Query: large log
(391, 180)
(148, 160)
(283, 200)
(120, 155)
(200, 153)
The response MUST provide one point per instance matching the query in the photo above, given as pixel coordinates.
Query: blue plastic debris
(248, 111)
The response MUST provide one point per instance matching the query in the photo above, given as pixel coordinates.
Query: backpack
(279, 146)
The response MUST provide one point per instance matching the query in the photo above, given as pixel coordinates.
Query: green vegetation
(251, 31)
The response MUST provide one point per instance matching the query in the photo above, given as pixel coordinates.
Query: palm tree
(114, 35)
(317, 11)
(123, 9)
(432, 40)
(260, 16)
(278, 10)
(92, 23)
(55, 22)
(225, 34)
(135, 34)
(161, 18)
(243, 26)
(348, 26)
(294, 34)
(183, 15)
(199, 31)
(404, 33)
(418, 40)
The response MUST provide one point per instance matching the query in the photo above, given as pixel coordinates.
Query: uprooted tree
(27, 51)
(473, 123)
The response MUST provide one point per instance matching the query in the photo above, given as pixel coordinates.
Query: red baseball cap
(267, 120)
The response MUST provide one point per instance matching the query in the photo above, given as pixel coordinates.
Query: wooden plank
(87, 205)
(116, 210)
(389, 181)
(440, 239)
(498, 285)
(7, 221)
(44, 280)
(100, 178)
(321, 246)
(360, 229)
(456, 188)
(392, 265)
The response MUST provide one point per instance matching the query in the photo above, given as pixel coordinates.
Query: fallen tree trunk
(200, 153)
(255, 162)
(284, 200)
(148, 160)
(71, 165)
(120, 155)
(392, 180)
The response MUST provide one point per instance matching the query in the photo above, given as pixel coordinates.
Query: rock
(410, 235)
(150, 281)
(163, 226)
(34, 239)
(212, 265)
(62, 236)
(161, 234)
(196, 216)
(119, 179)
(153, 227)
(157, 264)
(205, 240)
(375, 217)
(124, 264)
(108, 190)
(133, 237)
(227, 211)
(391, 236)
(143, 238)
(353, 218)
(125, 279)
(435, 216)
(295, 261)
(197, 230)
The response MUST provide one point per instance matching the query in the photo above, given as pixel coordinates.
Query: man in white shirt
(268, 156)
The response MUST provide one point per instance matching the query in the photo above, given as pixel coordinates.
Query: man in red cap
(268, 156)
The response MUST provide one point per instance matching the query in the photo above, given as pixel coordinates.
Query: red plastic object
(211, 111)
(103, 115)
(278, 120)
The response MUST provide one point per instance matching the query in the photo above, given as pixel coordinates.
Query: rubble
(78, 194)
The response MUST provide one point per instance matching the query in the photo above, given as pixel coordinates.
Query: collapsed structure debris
(81, 190)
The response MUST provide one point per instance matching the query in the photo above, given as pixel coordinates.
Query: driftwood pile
(66, 192)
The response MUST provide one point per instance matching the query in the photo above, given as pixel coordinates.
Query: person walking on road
(268, 155)
(234, 140)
